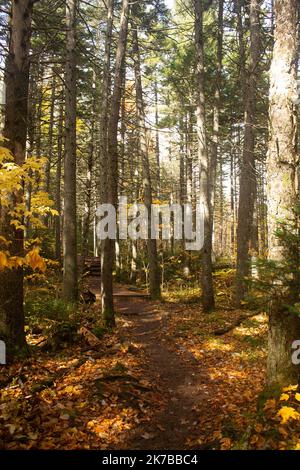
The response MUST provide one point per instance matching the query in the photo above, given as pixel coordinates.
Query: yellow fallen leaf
(286, 413)
(284, 397)
(297, 396)
(290, 388)
(3, 260)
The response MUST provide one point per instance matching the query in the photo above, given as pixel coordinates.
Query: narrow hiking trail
(175, 374)
(171, 370)
(161, 380)
(187, 411)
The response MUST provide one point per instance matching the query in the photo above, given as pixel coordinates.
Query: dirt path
(171, 370)
(204, 387)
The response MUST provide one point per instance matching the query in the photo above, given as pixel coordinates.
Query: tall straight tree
(58, 184)
(216, 118)
(111, 196)
(282, 190)
(70, 287)
(15, 131)
(144, 146)
(248, 178)
(105, 96)
(204, 165)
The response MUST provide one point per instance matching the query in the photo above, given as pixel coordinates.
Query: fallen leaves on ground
(99, 398)
(82, 410)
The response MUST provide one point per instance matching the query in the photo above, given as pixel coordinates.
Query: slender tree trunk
(87, 218)
(104, 157)
(105, 98)
(232, 205)
(88, 200)
(154, 271)
(15, 130)
(58, 186)
(70, 287)
(157, 145)
(188, 181)
(206, 276)
(50, 137)
(108, 251)
(282, 164)
(247, 178)
(216, 113)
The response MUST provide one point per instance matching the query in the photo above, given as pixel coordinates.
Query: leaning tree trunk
(15, 130)
(144, 144)
(206, 276)
(70, 287)
(108, 251)
(282, 164)
(248, 178)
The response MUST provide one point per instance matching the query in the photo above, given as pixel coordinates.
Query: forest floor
(169, 377)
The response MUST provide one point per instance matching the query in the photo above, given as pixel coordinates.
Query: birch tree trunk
(282, 164)
(70, 287)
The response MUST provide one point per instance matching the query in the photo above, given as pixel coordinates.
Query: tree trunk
(206, 275)
(87, 218)
(154, 271)
(157, 143)
(15, 130)
(282, 163)
(50, 136)
(108, 251)
(105, 97)
(247, 178)
(216, 119)
(58, 186)
(87, 205)
(70, 287)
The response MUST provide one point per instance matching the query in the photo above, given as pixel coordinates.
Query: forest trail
(161, 380)
(174, 373)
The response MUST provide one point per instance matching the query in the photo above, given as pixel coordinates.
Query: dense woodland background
(161, 102)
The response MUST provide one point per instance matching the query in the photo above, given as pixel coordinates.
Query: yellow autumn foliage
(284, 397)
(35, 261)
(286, 413)
(13, 178)
(3, 260)
(290, 388)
